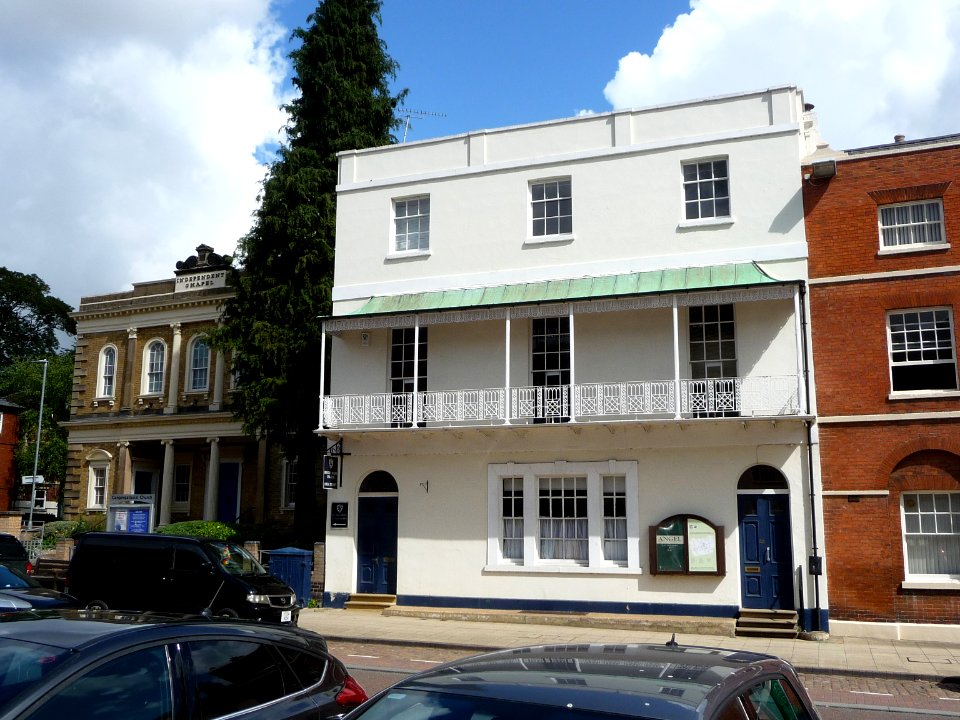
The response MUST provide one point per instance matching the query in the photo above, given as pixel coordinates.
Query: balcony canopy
(711, 277)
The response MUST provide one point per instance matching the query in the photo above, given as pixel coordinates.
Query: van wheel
(97, 605)
(227, 613)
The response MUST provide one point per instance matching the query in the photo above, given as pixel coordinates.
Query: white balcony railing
(585, 402)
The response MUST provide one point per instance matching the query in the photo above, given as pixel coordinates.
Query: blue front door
(765, 566)
(377, 545)
(228, 498)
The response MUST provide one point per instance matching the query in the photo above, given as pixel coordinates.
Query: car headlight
(8, 604)
(258, 599)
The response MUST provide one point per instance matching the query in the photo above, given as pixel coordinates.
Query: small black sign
(331, 472)
(338, 515)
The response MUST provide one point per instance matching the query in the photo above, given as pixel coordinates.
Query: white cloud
(873, 68)
(128, 132)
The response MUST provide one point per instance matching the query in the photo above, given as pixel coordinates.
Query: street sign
(32, 479)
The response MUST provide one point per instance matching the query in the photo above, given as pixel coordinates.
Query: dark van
(169, 573)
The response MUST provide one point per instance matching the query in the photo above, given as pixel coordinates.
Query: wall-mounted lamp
(823, 170)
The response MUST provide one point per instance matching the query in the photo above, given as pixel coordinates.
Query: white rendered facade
(548, 339)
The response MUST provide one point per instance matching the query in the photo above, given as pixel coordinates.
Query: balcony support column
(416, 370)
(323, 371)
(676, 359)
(506, 369)
(572, 409)
(798, 326)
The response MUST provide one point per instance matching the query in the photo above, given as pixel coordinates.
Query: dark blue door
(765, 566)
(377, 545)
(228, 498)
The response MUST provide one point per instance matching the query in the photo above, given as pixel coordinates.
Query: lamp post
(36, 455)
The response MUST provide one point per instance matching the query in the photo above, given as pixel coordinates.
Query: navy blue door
(228, 498)
(377, 545)
(765, 567)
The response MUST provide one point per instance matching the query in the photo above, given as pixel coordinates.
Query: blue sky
(131, 132)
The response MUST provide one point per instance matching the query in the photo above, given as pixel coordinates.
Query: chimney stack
(899, 138)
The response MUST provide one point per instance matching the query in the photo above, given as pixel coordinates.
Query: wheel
(97, 605)
(227, 613)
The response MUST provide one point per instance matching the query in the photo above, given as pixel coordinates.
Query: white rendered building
(568, 366)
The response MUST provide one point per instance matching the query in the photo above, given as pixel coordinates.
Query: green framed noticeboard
(686, 545)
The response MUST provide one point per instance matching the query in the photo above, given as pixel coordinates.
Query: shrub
(57, 529)
(199, 528)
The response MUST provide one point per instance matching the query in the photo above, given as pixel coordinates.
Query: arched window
(107, 372)
(200, 365)
(153, 365)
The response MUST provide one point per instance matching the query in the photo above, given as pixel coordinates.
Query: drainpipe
(815, 559)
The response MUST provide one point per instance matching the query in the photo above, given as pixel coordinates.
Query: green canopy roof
(584, 288)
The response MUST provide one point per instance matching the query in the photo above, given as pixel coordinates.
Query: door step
(767, 623)
(370, 601)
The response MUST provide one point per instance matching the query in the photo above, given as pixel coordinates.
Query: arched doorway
(763, 510)
(377, 535)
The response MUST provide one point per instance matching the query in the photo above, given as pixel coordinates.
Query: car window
(24, 663)
(775, 699)
(234, 558)
(309, 668)
(11, 547)
(233, 675)
(134, 685)
(190, 560)
(11, 579)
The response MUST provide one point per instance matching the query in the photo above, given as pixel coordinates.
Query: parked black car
(97, 664)
(22, 592)
(14, 554)
(580, 682)
(168, 573)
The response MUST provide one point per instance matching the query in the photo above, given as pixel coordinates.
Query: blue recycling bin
(294, 566)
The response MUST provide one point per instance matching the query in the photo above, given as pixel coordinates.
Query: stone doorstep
(681, 624)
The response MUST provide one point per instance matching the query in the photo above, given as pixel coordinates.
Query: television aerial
(408, 113)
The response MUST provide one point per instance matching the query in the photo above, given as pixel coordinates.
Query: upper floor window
(713, 342)
(107, 372)
(289, 488)
(551, 206)
(931, 533)
(911, 224)
(706, 189)
(153, 365)
(181, 484)
(412, 223)
(922, 350)
(199, 365)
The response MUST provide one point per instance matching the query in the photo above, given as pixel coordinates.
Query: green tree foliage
(22, 383)
(29, 318)
(342, 71)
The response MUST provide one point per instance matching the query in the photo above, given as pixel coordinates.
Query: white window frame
(95, 470)
(191, 367)
(701, 219)
(423, 236)
(531, 473)
(918, 579)
(287, 468)
(911, 229)
(145, 371)
(102, 391)
(925, 346)
(562, 234)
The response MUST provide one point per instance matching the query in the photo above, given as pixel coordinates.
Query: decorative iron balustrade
(583, 402)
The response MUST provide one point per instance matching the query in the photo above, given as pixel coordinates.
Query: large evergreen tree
(342, 71)
(29, 318)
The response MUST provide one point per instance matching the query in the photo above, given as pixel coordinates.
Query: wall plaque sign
(686, 545)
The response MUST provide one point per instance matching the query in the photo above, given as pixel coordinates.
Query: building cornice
(889, 275)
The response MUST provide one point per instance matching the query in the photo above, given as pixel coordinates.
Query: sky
(132, 132)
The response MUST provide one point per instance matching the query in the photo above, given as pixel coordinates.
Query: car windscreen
(403, 704)
(22, 664)
(234, 558)
(11, 547)
(10, 578)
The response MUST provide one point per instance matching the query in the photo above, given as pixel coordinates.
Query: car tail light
(29, 568)
(352, 694)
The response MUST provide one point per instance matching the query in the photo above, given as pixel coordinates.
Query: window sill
(408, 255)
(953, 585)
(550, 239)
(563, 570)
(923, 394)
(908, 249)
(706, 222)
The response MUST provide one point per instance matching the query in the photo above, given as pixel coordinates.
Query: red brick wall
(8, 470)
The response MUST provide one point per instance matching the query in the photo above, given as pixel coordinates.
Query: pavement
(905, 660)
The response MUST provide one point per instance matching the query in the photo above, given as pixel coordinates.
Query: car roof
(673, 681)
(80, 629)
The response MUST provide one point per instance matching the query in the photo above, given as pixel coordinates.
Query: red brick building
(883, 229)
(9, 433)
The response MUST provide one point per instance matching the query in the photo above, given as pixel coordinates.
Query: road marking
(864, 692)
(430, 662)
(369, 657)
(954, 699)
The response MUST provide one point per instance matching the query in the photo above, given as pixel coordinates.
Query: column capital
(123, 444)
(131, 333)
(176, 327)
(168, 441)
(212, 440)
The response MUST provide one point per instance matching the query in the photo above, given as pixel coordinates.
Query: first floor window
(931, 529)
(181, 484)
(577, 514)
(200, 365)
(915, 223)
(154, 371)
(513, 518)
(706, 189)
(412, 224)
(922, 350)
(108, 371)
(551, 206)
(289, 482)
(98, 486)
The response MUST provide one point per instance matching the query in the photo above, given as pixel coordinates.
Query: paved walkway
(836, 655)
